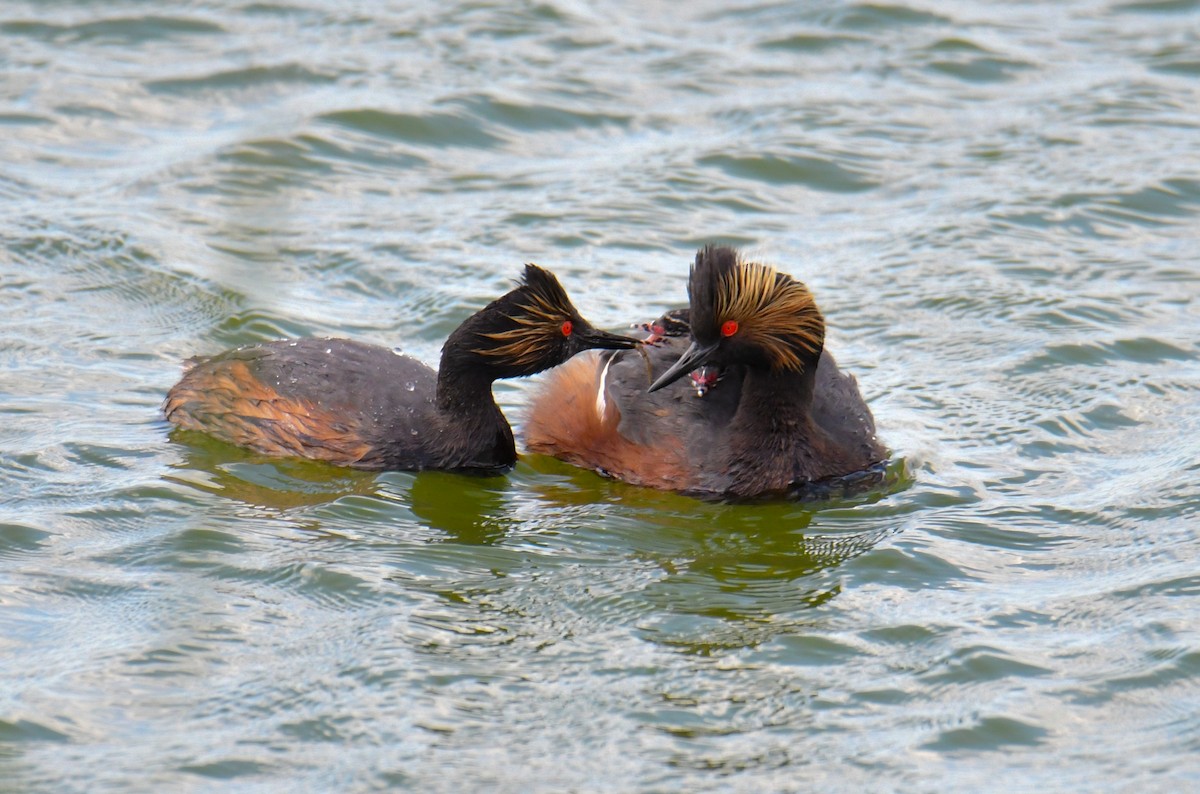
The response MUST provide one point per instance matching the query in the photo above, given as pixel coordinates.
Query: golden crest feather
(772, 310)
(538, 316)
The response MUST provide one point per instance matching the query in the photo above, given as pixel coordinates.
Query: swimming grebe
(769, 414)
(366, 406)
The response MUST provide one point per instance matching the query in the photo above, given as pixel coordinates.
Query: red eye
(729, 328)
(566, 328)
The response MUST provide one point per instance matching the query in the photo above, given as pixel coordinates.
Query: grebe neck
(775, 399)
(471, 429)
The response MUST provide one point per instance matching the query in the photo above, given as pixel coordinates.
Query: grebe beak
(594, 338)
(693, 357)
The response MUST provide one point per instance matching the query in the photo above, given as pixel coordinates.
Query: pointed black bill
(693, 357)
(594, 338)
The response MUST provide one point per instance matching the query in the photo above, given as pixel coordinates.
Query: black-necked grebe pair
(765, 411)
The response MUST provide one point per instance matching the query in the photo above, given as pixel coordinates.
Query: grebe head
(747, 313)
(536, 327)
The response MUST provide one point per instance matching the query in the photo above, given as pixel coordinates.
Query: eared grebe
(368, 407)
(766, 411)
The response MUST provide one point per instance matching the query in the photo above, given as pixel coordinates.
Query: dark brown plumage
(368, 407)
(776, 418)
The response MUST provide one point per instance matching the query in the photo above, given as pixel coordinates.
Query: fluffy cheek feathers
(570, 420)
(227, 401)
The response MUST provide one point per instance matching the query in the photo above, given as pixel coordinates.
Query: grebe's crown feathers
(759, 305)
(546, 296)
(535, 326)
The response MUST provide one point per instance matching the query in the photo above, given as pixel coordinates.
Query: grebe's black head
(747, 313)
(536, 327)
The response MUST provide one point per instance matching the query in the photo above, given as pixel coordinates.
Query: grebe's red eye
(566, 328)
(729, 328)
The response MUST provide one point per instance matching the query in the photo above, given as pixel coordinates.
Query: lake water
(997, 206)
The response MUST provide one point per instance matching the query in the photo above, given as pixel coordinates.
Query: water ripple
(126, 31)
(254, 77)
(424, 129)
(819, 174)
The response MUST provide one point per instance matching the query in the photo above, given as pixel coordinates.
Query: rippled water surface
(996, 204)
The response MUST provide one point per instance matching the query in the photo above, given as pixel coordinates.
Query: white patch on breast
(601, 402)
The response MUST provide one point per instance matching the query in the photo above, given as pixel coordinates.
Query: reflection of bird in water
(473, 510)
(758, 572)
(277, 485)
